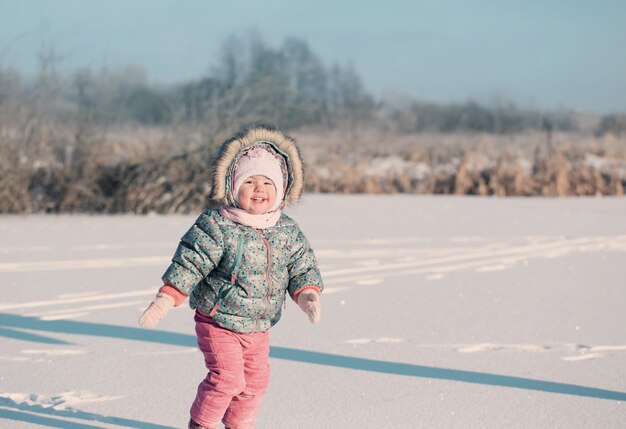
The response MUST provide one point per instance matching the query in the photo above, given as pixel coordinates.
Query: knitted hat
(259, 161)
(279, 143)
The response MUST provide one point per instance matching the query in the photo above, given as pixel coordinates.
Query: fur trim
(232, 148)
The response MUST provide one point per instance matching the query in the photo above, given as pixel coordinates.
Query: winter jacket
(236, 274)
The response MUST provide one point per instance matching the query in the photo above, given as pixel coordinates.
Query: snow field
(438, 312)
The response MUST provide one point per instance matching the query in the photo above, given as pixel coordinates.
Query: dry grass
(526, 164)
(45, 167)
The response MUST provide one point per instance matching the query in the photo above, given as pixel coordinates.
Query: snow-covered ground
(439, 312)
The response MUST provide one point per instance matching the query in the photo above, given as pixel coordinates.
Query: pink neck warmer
(258, 221)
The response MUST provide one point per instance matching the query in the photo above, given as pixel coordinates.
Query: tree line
(253, 82)
(109, 141)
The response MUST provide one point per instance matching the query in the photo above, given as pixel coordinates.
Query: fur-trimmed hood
(233, 148)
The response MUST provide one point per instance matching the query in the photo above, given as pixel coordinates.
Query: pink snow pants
(239, 373)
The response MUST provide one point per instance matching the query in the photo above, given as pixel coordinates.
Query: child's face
(257, 195)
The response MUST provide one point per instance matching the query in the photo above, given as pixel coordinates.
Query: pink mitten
(156, 310)
(309, 302)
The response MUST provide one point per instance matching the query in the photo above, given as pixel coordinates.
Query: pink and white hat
(259, 161)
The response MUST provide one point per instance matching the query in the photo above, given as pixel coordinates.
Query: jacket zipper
(268, 272)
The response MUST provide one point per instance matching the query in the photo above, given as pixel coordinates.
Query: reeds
(47, 168)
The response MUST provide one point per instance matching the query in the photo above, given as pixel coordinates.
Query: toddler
(236, 264)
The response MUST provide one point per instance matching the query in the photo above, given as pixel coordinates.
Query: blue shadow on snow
(43, 421)
(22, 412)
(9, 321)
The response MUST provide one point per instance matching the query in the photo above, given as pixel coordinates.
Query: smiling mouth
(258, 200)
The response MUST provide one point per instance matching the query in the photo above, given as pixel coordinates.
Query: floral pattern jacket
(239, 275)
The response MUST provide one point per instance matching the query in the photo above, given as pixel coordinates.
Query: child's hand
(309, 302)
(156, 310)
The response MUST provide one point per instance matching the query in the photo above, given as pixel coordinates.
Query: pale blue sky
(540, 53)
